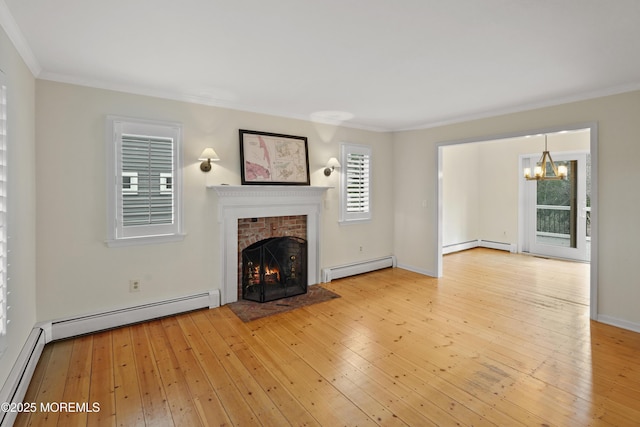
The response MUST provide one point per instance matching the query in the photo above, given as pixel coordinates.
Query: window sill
(145, 240)
(353, 221)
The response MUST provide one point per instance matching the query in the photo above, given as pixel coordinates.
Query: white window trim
(151, 234)
(4, 231)
(346, 218)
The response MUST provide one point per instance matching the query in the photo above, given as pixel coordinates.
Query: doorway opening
(492, 205)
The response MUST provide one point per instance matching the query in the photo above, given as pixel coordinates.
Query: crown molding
(583, 96)
(10, 26)
(193, 99)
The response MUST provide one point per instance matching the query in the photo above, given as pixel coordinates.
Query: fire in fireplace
(274, 268)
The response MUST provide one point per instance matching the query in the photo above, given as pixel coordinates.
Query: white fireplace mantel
(256, 201)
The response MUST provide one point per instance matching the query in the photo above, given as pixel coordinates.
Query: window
(144, 176)
(4, 321)
(129, 182)
(166, 182)
(355, 199)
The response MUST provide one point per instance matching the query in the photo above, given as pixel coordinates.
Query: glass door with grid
(558, 211)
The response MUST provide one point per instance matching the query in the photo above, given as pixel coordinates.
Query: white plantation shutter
(145, 202)
(3, 215)
(357, 182)
(151, 160)
(356, 185)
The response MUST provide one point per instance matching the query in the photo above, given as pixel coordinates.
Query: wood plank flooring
(501, 340)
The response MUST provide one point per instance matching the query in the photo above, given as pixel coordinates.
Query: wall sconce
(331, 165)
(208, 155)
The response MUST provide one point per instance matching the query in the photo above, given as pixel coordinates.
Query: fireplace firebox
(274, 268)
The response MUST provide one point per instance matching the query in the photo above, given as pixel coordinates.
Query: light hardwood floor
(501, 340)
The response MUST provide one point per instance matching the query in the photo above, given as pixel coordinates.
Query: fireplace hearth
(274, 268)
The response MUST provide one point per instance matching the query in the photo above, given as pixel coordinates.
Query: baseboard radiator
(457, 247)
(352, 269)
(81, 325)
(17, 382)
(15, 387)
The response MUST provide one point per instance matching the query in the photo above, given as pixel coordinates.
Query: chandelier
(540, 171)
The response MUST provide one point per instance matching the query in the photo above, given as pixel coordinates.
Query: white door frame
(527, 240)
(593, 147)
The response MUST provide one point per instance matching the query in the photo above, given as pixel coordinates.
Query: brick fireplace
(254, 230)
(277, 205)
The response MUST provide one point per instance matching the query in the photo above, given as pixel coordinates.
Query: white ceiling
(391, 64)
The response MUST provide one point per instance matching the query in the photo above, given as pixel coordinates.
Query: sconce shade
(331, 165)
(208, 155)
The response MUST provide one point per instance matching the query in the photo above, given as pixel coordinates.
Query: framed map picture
(273, 159)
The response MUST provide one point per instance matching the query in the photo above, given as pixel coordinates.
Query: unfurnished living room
(319, 213)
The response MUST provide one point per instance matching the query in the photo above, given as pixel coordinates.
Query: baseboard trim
(619, 323)
(457, 247)
(15, 387)
(413, 269)
(360, 267)
(80, 325)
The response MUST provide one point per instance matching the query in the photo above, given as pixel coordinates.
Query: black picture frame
(273, 159)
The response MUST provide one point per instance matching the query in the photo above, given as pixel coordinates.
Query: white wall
(461, 169)
(415, 156)
(480, 184)
(78, 274)
(22, 202)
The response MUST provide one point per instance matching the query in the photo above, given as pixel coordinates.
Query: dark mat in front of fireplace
(249, 310)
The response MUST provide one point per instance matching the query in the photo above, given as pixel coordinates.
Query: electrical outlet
(360, 248)
(134, 285)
